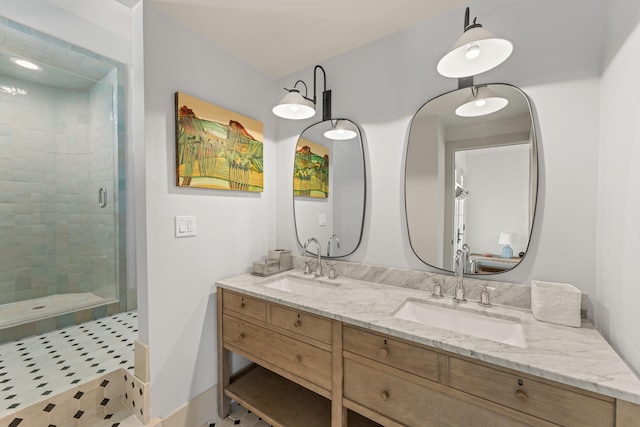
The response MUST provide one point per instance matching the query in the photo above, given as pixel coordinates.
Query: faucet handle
(307, 267)
(484, 297)
(437, 287)
(332, 271)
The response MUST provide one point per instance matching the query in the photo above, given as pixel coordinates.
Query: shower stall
(62, 204)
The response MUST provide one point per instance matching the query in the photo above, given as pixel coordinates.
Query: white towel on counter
(557, 303)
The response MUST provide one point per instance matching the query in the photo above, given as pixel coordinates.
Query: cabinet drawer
(416, 405)
(542, 400)
(410, 358)
(301, 359)
(247, 306)
(301, 323)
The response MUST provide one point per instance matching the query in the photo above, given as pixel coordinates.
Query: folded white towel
(556, 303)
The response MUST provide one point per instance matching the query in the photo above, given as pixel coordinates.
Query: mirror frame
(364, 189)
(535, 152)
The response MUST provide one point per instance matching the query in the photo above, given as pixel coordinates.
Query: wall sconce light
(341, 130)
(507, 239)
(481, 102)
(475, 52)
(297, 107)
(294, 105)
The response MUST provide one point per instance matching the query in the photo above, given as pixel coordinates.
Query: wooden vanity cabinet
(295, 377)
(556, 403)
(313, 371)
(384, 388)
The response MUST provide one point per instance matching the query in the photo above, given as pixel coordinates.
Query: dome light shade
(481, 102)
(294, 106)
(475, 52)
(342, 130)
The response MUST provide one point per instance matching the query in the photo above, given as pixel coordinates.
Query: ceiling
(61, 66)
(280, 37)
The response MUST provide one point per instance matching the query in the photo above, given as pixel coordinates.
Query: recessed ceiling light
(25, 63)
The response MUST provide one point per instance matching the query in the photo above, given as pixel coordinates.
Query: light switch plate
(185, 226)
(322, 219)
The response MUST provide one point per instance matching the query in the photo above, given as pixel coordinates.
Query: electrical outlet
(185, 226)
(322, 219)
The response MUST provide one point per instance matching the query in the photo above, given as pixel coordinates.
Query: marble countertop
(578, 357)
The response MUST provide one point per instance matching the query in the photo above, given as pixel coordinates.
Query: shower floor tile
(44, 365)
(17, 313)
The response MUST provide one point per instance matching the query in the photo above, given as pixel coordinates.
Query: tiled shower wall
(54, 238)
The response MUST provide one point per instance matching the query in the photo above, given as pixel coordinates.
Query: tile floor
(239, 416)
(42, 365)
(38, 368)
(34, 368)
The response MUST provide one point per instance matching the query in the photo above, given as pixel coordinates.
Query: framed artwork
(311, 170)
(217, 148)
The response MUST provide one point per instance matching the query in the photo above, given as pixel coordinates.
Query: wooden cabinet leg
(224, 365)
(627, 414)
(338, 412)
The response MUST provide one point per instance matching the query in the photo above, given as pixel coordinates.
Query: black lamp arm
(326, 94)
(305, 96)
(466, 21)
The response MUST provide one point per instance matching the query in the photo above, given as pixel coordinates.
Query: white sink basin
(299, 286)
(500, 329)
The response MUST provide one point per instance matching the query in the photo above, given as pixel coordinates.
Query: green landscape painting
(217, 148)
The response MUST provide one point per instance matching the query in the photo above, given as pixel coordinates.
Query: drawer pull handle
(384, 352)
(384, 396)
(243, 335)
(522, 396)
(298, 323)
(299, 358)
(242, 305)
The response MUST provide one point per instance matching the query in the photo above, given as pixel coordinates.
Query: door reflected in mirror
(472, 180)
(329, 187)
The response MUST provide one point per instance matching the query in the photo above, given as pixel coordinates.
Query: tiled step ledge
(115, 399)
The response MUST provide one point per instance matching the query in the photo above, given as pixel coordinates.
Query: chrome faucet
(318, 270)
(458, 293)
(466, 251)
(333, 237)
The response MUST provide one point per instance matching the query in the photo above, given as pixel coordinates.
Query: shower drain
(38, 307)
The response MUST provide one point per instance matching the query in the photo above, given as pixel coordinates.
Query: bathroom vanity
(336, 353)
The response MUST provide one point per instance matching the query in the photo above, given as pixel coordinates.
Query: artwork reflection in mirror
(311, 170)
(329, 189)
(472, 180)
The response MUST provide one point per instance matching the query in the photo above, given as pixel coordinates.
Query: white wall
(424, 162)
(618, 250)
(381, 86)
(234, 228)
(495, 178)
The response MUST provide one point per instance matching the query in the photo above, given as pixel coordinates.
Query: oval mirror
(471, 177)
(329, 187)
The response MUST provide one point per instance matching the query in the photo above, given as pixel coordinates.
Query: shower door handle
(102, 197)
